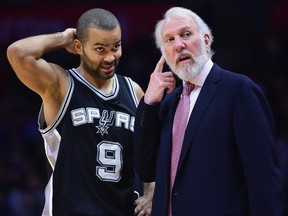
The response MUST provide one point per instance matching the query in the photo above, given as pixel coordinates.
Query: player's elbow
(14, 53)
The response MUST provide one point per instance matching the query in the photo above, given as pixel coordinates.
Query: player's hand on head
(69, 35)
(160, 83)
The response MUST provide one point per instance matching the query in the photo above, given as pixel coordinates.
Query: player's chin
(108, 75)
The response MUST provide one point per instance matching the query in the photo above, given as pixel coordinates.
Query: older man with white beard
(209, 146)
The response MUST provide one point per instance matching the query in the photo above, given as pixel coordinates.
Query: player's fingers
(137, 208)
(145, 212)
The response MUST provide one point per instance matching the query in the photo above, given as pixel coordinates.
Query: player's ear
(78, 47)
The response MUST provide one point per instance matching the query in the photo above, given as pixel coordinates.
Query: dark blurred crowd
(250, 38)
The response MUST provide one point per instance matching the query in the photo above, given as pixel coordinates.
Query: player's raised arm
(25, 58)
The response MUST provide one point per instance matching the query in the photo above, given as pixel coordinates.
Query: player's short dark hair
(95, 18)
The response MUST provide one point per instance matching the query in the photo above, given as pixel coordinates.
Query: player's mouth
(107, 68)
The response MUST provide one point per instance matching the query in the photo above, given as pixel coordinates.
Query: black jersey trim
(106, 97)
(61, 111)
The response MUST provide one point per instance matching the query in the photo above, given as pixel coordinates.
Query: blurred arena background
(250, 38)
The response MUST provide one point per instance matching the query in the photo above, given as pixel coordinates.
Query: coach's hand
(160, 83)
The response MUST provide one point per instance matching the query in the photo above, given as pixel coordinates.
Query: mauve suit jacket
(228, 164)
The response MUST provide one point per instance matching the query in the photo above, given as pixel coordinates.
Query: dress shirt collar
(200, 79)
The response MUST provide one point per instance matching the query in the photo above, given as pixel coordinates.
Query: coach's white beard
(189, 71)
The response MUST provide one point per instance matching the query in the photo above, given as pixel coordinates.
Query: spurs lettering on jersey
(106, 119)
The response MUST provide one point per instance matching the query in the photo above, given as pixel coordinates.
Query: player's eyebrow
(106, 44)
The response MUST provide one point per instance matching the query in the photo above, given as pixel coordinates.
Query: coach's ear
(207, 41)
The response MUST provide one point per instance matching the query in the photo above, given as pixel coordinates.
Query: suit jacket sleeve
(146, 140)
(256, 139)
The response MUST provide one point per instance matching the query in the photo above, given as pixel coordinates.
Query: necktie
(179, 127)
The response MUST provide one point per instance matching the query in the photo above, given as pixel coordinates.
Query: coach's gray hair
(185, 13)
(97, 18)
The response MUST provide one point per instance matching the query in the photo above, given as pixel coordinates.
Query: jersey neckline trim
(102, 95)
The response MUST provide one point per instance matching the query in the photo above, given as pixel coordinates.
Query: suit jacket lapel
(207, 92)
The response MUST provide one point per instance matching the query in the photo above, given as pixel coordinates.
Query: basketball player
(86, 118)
